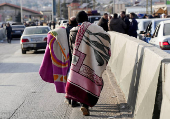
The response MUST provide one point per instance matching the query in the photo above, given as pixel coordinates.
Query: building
(10, 12)
(71, 7)
(138, 9)
(119, 6)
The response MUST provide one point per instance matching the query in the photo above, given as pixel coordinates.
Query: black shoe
(75, 104)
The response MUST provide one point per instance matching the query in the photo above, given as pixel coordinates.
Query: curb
(124, 108)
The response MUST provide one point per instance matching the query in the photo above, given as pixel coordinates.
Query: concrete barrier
(136, 66)
(165, 108)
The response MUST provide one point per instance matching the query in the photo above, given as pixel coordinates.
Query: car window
(64, 21)
(157, 22)
(18, 26)
(36, 30)
(166, 30)
(139, 25)
(146, 24)
(92, 19)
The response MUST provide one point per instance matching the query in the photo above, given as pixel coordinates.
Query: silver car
(161, 36)
(34, 38)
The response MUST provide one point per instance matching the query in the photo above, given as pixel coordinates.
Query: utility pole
(151, 6)
(59, 9)
(113, 6)
(54, 11)
(146, 6)
(21, 11)
(94, 4)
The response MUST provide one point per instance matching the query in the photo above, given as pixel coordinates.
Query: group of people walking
(120, 24)
(75, 59)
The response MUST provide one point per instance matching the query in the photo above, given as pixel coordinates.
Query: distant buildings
(11, 12)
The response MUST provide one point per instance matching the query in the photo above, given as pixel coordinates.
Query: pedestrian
(90, 57)
(133, 26)
(126, 20)
(109, 17)
(72, 23)
(54, 24)
(56, 61)
(49, 24)
(103, 22)
(153, 16)
(9, 31)
(117, 24)
(145, 16)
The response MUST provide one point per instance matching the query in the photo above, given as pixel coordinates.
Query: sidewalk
(107, 106)
(44, 103)
(111, 104)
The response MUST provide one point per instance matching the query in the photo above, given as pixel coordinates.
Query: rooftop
(15, 6)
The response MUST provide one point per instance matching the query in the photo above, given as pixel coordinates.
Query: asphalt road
(23, 94)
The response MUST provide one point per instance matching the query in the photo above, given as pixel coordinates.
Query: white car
(96, 22)
(34, 38)
(161, 36)
(151, 28)
(63, 23)
(142, 25)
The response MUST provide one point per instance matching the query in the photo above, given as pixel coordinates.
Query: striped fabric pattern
(90, 57)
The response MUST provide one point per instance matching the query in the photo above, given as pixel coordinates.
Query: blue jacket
(133, 28)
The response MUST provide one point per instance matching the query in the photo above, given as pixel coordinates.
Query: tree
(18, 17)
(58, 8)
(65, 10)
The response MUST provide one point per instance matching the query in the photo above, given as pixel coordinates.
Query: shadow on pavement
(35, 52)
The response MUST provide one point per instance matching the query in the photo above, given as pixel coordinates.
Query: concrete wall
(136, 66)
(165, 108)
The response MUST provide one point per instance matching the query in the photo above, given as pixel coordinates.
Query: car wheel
(23, 51)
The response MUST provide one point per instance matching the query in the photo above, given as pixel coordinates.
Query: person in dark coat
(133, 26)
(9, 31)
(80, 18)
(72, 23)
(116, 24)
(54, 24)
(126, 20)
(49, 24)
(103, 22)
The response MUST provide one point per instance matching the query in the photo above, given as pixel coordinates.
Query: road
(23, 94)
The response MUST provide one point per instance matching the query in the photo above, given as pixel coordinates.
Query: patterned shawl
(56, 63)
(90, 57)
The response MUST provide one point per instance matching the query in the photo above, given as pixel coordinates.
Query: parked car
(150, 29)
(17, 31)
(142, 25)
(63, 23)
(17, 23)
(93, 18)
(161, 36)
(96, 22)
(34, 38)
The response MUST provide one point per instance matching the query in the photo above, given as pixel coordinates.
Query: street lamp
(54, 10)
(21, 11)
